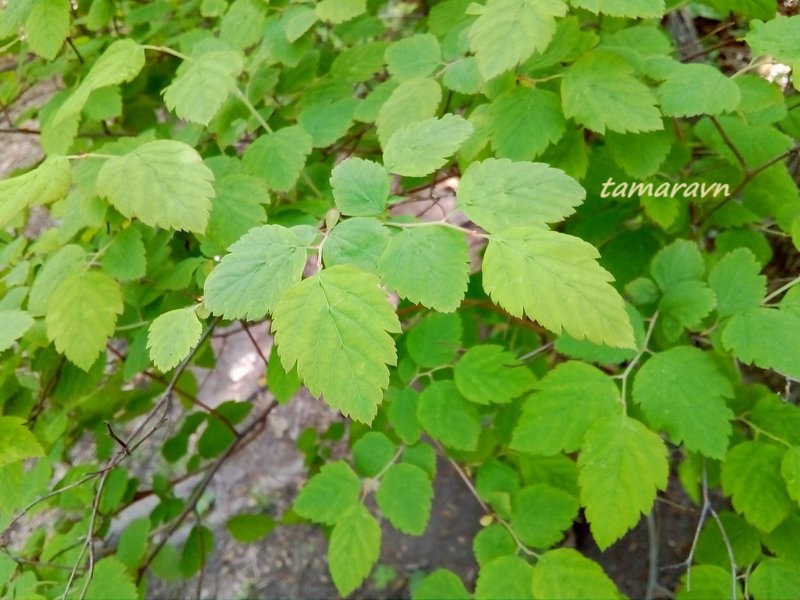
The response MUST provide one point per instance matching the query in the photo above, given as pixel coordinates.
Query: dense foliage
(567, 343)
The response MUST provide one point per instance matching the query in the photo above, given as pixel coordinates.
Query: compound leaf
(644, 9)
(329, 493)
(774, 578)
(435, 340)
(172, 336)
(405, 496)
(357, 241)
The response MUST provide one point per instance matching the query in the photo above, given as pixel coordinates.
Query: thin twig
(255, 343)
(652, 567)
(729, 143)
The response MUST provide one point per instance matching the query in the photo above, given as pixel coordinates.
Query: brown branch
(255, 343)
(729, 143)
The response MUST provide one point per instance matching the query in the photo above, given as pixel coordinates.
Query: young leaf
(328, 494)
(404, 496)
(427, 265)
(695, 89)
(17, 442)
(83, 315)
(248, 528)
(489, 374)
(541, 513)
(172, 336)
(354, 548)
(339, 11)
(13, 325)
(279, 157)
(644, 9)
(448, 417)
(441, 584)
(162, 183)
(372, 452)
(360, 187)
(736, 282)
(498, 194)
(524, 122)
(767, 338)
(682, 392)
(358, 242)
(410, 102)
(435, 340)
(555, 279)
(504, 577)
(565, 574)
(335, 326)
(622, 466)
(47, 26)
(567, 402)
(414, 56)
(421, 148)
(260, 268)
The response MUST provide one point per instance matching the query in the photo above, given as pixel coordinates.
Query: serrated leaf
(299, 23)
(736, 282)
(243, 24)
(555, 279)
(684, 305)
(774, 579)
(504, 577)
(260, 268)
(541, 513)
(410, 102)
(125, 257)
(238, 207)
(463, 76)
(133, 542)
(706, 581)
(435, 340)
(162, 183)
(172, 336)
(696, 89)
(66, 260)
(489, 374)
(497, 194)
(17, 442)
(680, 261)
(744, 540)
(248, 528)
(441, 585)
(372, 452)
(358, 242)
(524, 122)
(354, 548)
(427, 265)
(766, 338)
(197, 550)
(109, 579)
(640, 154)
(622, 466)
(565, 574)
(13, 325)
(47, 26)
(404, 497)
(328, 121)
(682, 392)
(328, 494)
(414, 56)
(751, 476)
(282, 384)
(566, 403)
(600, 92)
(402, 415)
(83, 316)
(279, 157)
(790, 469)
(776, 38)
(493, 542)
(421, 148)
(339, 11)
(509, 31)
(48, 182)
(644, 9)
(335, 326)
(448, 417)
(360, 187)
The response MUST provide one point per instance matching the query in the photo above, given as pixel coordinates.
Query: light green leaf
(414, 56)
(13, 325)
(775, 579)
(260, 268)
(133, 542)
(504, 577)
(493, 542)
(600, 92)
(358, 242)
(335, 326)
(279, 157)
(339, 11)
(404, 497)
(410, 102)
(435, 340)
(707, 581)
(566, 403)
(299, 23)
(695, 89)
(197, 549)
(327, 122)
(766, 338)
(360, 187)
(441, 585)
(282, 384)
(541, 513)
(489, 374)
(248, 528)
(47, 26)
(427, 265)
(402, 414)
(622, 466)
(499, 194)
(329, 493)
(238, 207)
(463, 76)
(359, 63)
(83, 315)
(555, 279)
(685, 305)
(69, 259)
(790, 469)
(751, 476)
(744, 540)
(17, 442)
(680, 261)
(640, 154)
(565, 574)
(109, 579)
(354, 548)
(509, 31)
(172, 336)
(776, 38)
(162, 183)
(421, 148)
(203, 83)
(643, 9)
(736, 282)
(372, 453)
(524, 122)
(448, 417)
(125, 257)
(682, 392)
(48, 182)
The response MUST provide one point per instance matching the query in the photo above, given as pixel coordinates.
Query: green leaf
(69, 259)
(680, 261)
(509, 31)
(404, 497)
(744, 540)
(566, 403)
(498, 194)
(17, 442)
(372, 452)
(682, 392)
(172, 336)
(132, 544)
(414, 56)
(751, 476)
(427, 265)
(767, 338)
(243, 24)
(329, 493)
(463, 76)
(565, 574)
(776, 38)
(441, 585)
(541, 513)
(204, 82)
(359, 63)
(358, 242)
(402, 414)
(261, 267)
(555, 279)
(790, 469)
(248, 528)
(339, 11)
(13, 325)
(299, 23)
(685, 305)
(644, 9)
(237, 209)
(736, 282)
(504, 577)
(622, 466)
(282, 384)
(335, 326)
(410, 102)
(48, 182)
(696, 89)
(493, 542)
(489, 374)
(197, 550)
(774, 579)
(354, 548)
(162, 183)
(83, 315)
(279, 157)
(421, 148)
(448, 417)
(328, 121)
(360, 187)
(640, 154)
(109, 579)
(47, 26)
(600, 92)
(707, 581)
(435, 340)
(524, 122)
(125, 257)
